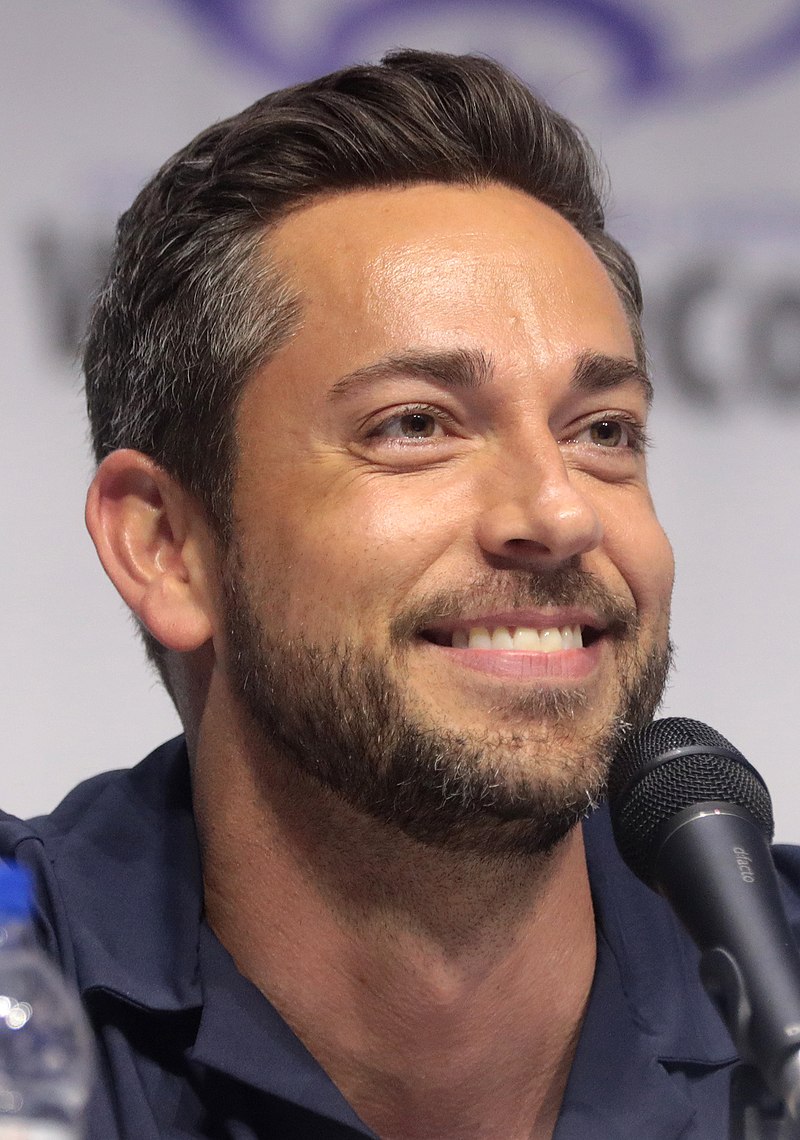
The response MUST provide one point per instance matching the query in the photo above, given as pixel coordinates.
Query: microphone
(693, 819)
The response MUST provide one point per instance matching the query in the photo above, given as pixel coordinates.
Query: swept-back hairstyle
(193, 305)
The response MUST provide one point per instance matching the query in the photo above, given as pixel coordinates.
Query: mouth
(499, 635)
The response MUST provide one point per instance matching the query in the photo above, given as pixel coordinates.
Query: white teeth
(571, 637)
(527, 639)
(550, 640)
(523, 638)
(502, 639)
(480, 638)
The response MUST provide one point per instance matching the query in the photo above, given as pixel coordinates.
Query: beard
(340, 715)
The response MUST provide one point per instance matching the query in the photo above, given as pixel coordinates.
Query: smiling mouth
(524, 639)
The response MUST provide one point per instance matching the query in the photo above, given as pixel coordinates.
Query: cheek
(643, 555)
(395, 529)
(353, 546)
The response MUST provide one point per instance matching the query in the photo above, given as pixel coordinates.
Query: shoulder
(96, 840)
(110, 792)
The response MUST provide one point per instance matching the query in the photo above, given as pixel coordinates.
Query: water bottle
(46, 1052)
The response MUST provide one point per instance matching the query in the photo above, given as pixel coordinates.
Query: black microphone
(693, 819)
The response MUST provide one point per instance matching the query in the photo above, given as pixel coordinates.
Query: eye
(415, 425)
(608, 433)
(613, 434)
(409, 424)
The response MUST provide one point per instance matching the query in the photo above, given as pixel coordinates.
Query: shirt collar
(125, 853)
(656, 959)
(243, 1035)
(127, 858)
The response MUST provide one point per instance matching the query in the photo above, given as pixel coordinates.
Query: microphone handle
(715, 867)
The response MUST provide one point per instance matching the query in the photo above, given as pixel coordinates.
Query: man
(368, 394)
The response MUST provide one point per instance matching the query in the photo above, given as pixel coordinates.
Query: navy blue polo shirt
(187, 1047)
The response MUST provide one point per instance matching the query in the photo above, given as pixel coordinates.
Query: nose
(534, 511)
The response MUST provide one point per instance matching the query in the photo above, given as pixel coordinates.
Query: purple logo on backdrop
(647, 61)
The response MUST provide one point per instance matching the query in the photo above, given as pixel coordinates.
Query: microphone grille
(662, 770)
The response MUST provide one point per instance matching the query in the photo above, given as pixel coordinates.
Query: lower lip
(560, 665)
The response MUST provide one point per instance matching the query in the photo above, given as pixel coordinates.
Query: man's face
(448, 589)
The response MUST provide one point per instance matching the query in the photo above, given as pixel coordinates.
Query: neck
(443, 993)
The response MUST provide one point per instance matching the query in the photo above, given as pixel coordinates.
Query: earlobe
(146, 530)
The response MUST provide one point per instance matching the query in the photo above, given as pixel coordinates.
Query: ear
(155, 546)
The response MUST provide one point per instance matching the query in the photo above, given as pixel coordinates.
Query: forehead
(433, 266)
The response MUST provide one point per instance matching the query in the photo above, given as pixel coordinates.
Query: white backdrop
(694, 105)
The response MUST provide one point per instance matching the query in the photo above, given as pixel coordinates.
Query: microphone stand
(755, 1112)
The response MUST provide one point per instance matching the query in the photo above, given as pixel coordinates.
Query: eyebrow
(596, 372)
(460, 368)
(468, 368)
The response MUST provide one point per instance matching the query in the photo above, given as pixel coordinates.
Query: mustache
(520, 589)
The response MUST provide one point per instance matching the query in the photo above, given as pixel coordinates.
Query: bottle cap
(16, 891)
